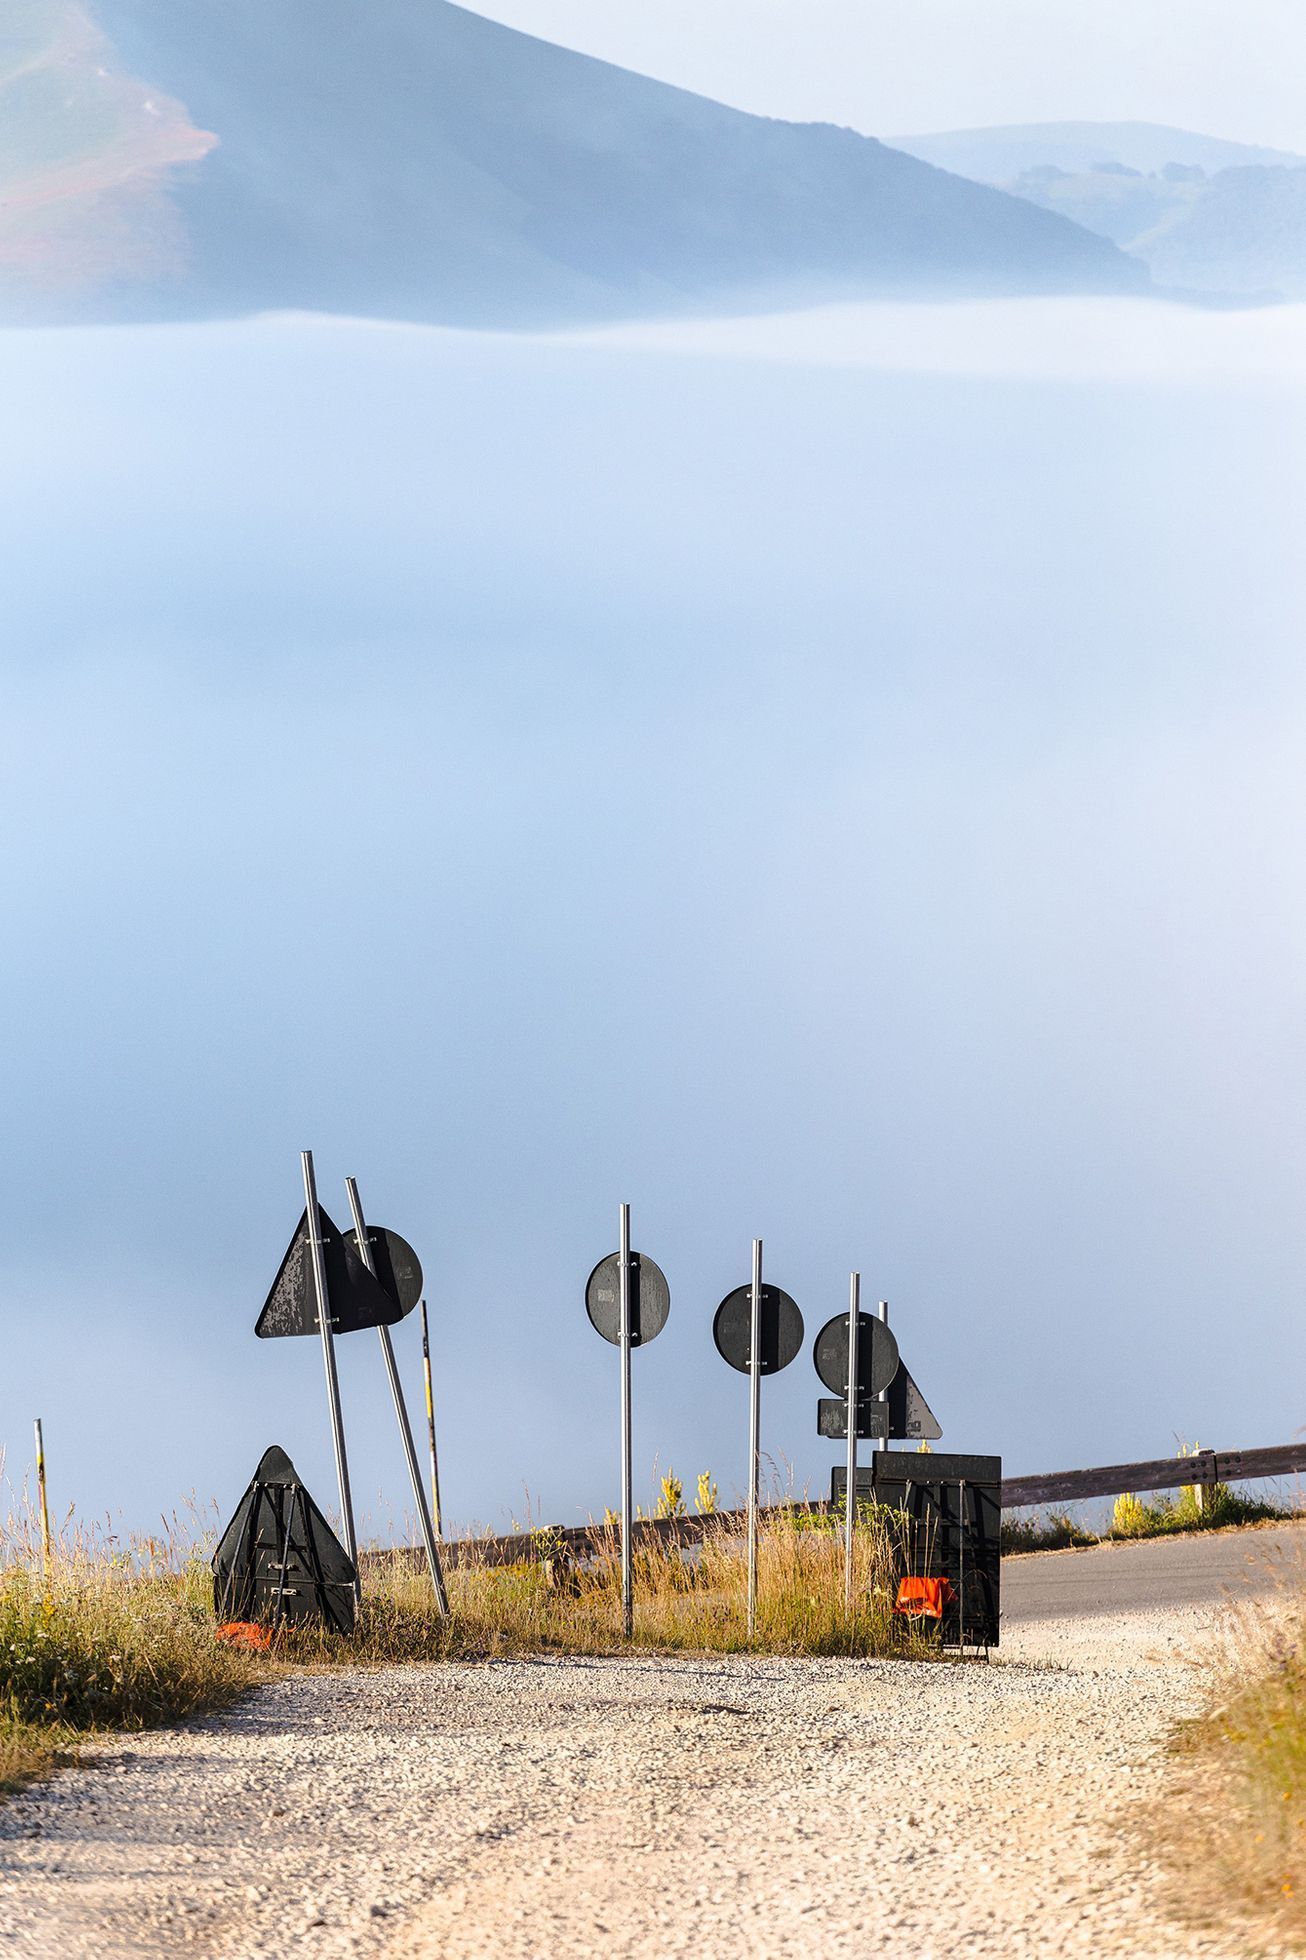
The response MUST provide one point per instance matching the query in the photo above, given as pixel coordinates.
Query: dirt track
(717, 1807)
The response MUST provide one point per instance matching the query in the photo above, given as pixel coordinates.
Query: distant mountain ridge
(996, 156)
(1206, 215)
(409, 159)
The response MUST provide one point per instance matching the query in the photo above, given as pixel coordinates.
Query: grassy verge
(1056, 1531)
(120, 1641)
(691, 1604)
(1233, 1830)
(104, 1646)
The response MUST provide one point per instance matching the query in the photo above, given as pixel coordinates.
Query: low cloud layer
(856, 806)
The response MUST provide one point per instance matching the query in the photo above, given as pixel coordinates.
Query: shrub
(96, 1648)
(1058, 1531)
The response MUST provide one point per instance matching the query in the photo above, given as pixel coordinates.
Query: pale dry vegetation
(1232, 1827)
(690, 1600)
(123, 1637)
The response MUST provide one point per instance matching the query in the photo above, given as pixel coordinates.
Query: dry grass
(1232, 1829)
(124, 1637)
(684, 1601)
(104, 1646)
(116, 1636)
(1056, 1531)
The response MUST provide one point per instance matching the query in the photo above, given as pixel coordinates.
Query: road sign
(758, 1330)
(877, 1355)
(952, 1508)
(356, 1298)
(832, 1419)
(780, 1329)
(395, 1264)
(650, 1299)
(627, 1299)
(278, 1562)
(910, 1416)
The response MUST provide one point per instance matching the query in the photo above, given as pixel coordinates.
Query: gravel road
(719, 1808)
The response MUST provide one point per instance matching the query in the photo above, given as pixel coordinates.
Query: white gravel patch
(647, 1807)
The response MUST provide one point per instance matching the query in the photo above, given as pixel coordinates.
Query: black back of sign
(356, 1298)
(910, 1416)
(780, 1329)
(278, 1562)
(650, 1299)
(397, 1266)
(877, 1354)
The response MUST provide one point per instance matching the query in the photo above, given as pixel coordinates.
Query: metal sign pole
(401, 1410)
(884, 1393)
(312, 1225)
(430, 1426)
(754, 1427)
(44, 1502)
(627, 1571)
(850, 1495)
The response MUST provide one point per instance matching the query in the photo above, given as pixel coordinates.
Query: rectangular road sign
(832, 1420)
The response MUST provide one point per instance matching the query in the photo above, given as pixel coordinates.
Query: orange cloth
(926, 1597)
(243, 1633)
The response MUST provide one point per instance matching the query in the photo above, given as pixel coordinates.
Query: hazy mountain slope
(83, 149)
(1204, 215)
(407, 158)
(996, 156)
(1245, 232)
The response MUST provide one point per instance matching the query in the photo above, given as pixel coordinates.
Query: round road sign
(877, 1355)
(650, 1299)
(781, 1327)
(397, 1266)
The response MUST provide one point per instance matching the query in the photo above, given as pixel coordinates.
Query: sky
(834, 780)
(898, 67)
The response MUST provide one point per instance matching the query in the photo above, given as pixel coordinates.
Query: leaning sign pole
(401, 1410)
(313, 1232)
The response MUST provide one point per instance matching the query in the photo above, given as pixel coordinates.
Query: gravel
(714, 1807)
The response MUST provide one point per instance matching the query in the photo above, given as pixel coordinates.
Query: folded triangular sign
(279, 1560)
(911, 1418)
(356, 1298)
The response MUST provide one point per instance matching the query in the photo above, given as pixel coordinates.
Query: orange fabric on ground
(243, 1633)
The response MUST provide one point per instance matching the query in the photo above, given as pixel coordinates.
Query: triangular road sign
(356, 1298)
(910, 1415)
(279, 1561)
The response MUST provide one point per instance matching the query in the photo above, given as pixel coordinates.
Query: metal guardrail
(1058, 1487)
(594, 1540)
(1160, 1473)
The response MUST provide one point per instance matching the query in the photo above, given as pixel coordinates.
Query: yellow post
(44, 1501)
(430, 1424)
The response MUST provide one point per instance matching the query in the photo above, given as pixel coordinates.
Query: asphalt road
(1199, 1570)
